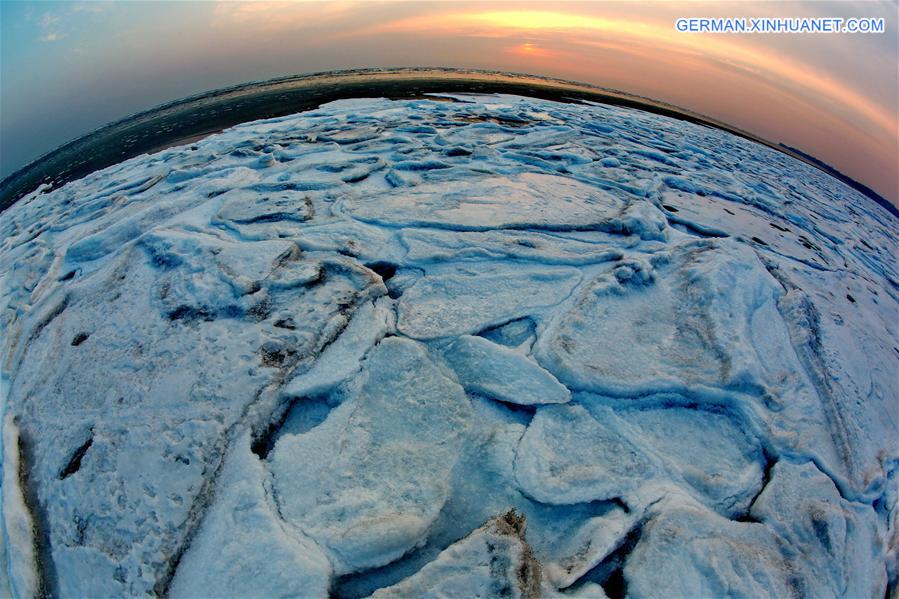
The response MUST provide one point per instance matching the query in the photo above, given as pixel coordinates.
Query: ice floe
(477, 345)
(495, 371)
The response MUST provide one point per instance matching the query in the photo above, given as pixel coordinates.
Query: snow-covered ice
(466, 345)
(369, 481)
(242, 533)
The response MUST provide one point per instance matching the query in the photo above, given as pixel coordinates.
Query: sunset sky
(70, 67)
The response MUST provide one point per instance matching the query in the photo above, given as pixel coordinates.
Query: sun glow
(530, 49)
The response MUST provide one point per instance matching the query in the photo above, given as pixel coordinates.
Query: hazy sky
(69, 67)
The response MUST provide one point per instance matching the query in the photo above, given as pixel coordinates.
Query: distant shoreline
(192, 118)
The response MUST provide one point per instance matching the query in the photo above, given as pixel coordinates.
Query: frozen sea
(455, 346)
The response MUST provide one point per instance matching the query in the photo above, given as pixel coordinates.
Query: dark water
(192, 118)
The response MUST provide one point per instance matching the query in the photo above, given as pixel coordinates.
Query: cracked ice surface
(468, 345)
